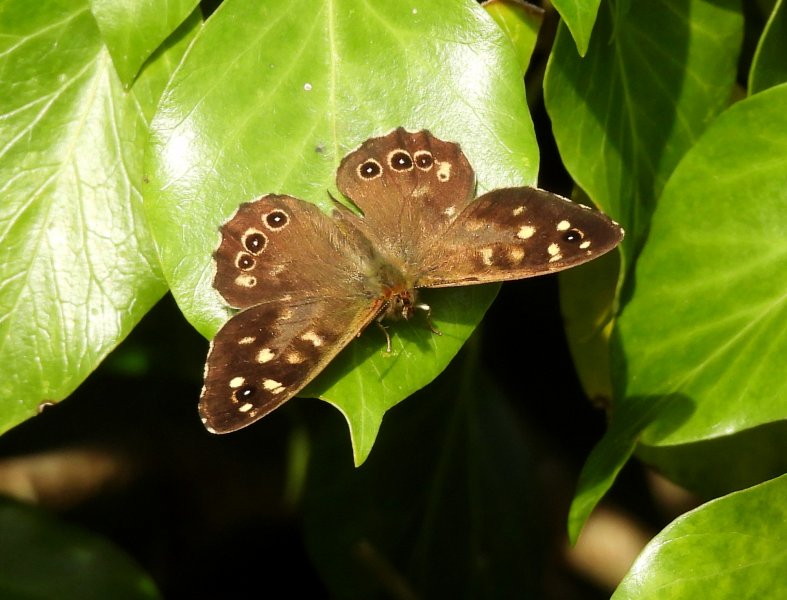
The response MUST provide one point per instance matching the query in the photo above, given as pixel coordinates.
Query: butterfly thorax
(395, 294)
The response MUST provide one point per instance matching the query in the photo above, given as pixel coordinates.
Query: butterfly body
(307, 282)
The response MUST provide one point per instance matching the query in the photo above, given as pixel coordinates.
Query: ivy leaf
(579, 17)
(654, 78)
(652, 81)
(462, 489)
(768, 66)
(734, 544)
(133, 29)
(521, 22)
(269, 99)
(78, 268)
(708, 319)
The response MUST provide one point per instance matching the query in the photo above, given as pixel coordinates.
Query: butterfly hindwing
(266, 354)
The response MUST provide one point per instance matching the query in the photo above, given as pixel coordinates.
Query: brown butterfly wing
(266, 354)
(278, 248)
(298, 275)
(410, 187)
(515, 233)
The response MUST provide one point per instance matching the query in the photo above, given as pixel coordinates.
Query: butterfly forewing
(279, 248)
(514, 233)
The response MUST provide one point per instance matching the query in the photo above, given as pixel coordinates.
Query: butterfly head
(400, 303)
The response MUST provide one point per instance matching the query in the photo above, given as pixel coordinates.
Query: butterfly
(307, 283)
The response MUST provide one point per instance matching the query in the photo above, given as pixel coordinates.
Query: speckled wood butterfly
(307, 282)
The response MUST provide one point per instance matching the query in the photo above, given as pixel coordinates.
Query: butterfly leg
(387, 336)
(428, 310)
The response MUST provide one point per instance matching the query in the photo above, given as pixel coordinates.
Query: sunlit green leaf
(133, 29)
(520, 21)
(78, 267)
(732, 547)
(579, 16)
(273, 95)
(708, 318)
(654, 77)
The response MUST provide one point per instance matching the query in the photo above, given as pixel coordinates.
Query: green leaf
(732, 547)
(607, 459)
(520, 21)
(588, 303)
(43, 558)
(454, 513)
(769, 65)
(78, 268)
(708, 319)
(269, 99)
(133, 29)
(655, 76)
(579, 16)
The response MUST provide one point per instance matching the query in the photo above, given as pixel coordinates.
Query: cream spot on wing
(277, 270)
(312, 337)
(563, 225)
(585, 244)
(265, 355)
(294, 358)
(518, 211)
(273, 386)
(286, 297)
(450, 212)
(444, 171)
(486, 256)
(557, 256)
(236, 382)
(516, 255)
(247, 281)
(286, 314)
(246, 407)
(247, 340)
(525, 232)
(553, 249)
